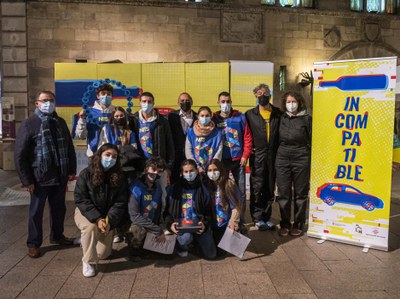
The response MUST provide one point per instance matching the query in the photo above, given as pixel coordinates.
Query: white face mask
(146, 107)
(47, 107)
(226, 107)
(213, 175)
(291, 107)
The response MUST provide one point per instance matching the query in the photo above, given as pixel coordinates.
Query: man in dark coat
(263, 121)
(180, 121)
(45, 160)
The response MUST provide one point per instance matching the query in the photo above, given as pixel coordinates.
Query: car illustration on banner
(331, 193)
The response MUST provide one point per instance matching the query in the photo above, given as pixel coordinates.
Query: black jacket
(163, 145)
(178, 134)
(256, 123)
(25, 152)
(295, 131)
(95, 203)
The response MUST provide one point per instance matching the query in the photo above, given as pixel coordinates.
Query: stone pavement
(273, 267)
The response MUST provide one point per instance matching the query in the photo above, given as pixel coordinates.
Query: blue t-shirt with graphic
(223, 211)
(145, 137)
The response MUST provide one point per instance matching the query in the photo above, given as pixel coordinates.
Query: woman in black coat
(101, 198)
(293, 162)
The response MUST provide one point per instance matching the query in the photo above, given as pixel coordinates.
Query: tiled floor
(273, 267)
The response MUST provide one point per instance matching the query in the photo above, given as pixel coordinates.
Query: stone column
(14, 63)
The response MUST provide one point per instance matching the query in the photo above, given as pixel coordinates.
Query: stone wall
(170, 31)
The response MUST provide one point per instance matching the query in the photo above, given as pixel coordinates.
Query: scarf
(50, 153)
(200, 130)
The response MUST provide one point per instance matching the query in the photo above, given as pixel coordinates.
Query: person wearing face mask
(145, 206)
(181, 121)
(237, 144)
(154, 136)
(225, 201)
(101, 113)
(101, 198)
(118, 133)
(293, 163)
(189, 202)
(263, 121)
(45, 160)
(204, 140)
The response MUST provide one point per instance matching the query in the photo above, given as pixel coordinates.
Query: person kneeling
(101, 201)
(145, 206)
(190, 212)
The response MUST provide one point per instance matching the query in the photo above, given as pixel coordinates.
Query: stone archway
(365, 49)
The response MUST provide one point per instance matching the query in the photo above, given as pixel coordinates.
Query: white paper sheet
(167, 247)
(234, 243)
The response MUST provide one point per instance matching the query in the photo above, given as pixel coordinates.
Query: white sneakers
(88, 270)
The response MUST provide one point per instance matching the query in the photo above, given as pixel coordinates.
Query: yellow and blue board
(352, 150)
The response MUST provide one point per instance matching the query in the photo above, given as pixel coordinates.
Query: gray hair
(260, 86)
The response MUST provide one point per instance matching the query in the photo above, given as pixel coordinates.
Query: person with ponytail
(101, 199)
(225, 200)
(189, 203)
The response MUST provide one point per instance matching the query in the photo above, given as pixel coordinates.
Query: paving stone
(216, 277)
(303, 258)
(256, 285)
(16, 280)
(78, 286)
(299, 296)
(358, 257)
(371, 295)
(114, 286)
(44, 286)
(325, 251)
(64, 262)
(177, 287)
(151, 282)
(287, 279)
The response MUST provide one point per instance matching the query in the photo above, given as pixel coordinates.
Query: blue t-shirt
(114, 136)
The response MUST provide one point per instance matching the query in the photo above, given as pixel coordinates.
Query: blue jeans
(205, 242)
(56, 198)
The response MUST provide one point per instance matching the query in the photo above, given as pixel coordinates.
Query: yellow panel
(204, 81)
(242, 86)
(73, 71)
(165, 81)
(128, 74)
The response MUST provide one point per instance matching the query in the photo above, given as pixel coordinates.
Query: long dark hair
(113, 175)
(224, 183)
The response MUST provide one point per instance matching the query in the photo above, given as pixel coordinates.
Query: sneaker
(261, 225)
(269, 224)
(88, 270)
(284, 232)
(295, 231)
(183, 253)
(118, 239)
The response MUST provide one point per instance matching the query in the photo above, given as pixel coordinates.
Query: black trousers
(262, 185)
(56, 198)
(293, 173)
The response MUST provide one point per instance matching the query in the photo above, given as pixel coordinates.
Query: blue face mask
(204, 120)
(146, 107)
(190, 177)
(105, 100)
(47, 107)
(108, 162)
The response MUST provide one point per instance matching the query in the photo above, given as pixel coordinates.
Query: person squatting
(124, 192)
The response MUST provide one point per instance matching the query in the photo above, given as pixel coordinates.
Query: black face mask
(120, 121)
(153, 177)
(185, 106)
(263, 100)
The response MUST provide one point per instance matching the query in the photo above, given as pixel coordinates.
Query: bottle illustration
(358, 82)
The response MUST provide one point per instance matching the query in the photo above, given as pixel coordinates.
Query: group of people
(125, 191)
